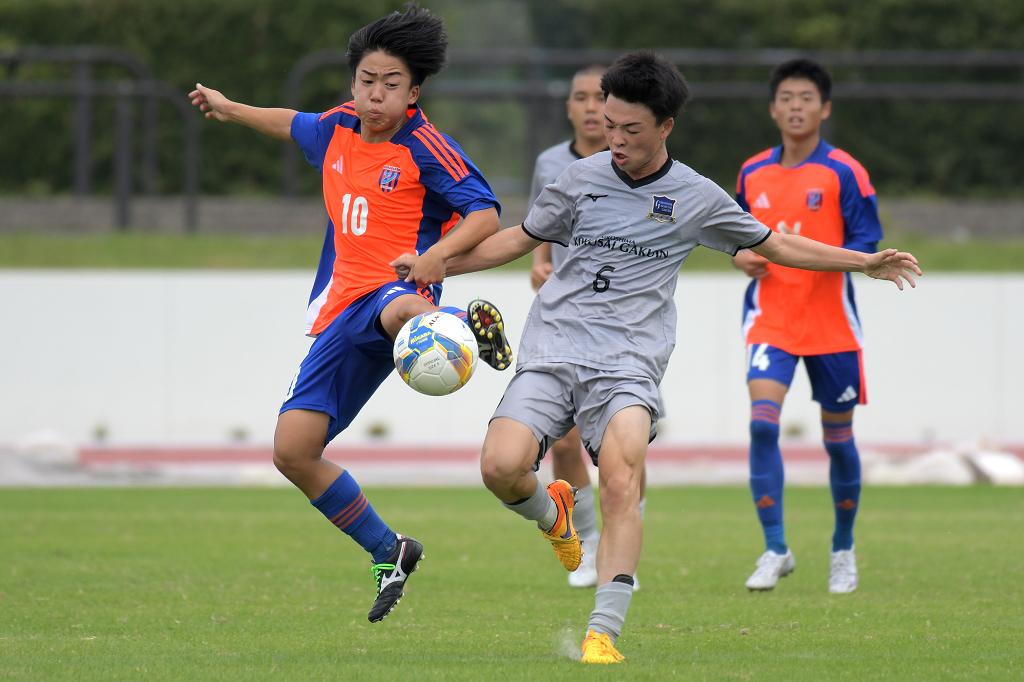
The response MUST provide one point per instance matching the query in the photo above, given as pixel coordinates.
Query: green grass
(244, 584)
(141, 250)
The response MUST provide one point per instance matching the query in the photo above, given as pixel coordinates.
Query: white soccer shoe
(771, 567)
(842, 576)
(586, 574)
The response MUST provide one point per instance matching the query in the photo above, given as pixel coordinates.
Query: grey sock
(584, 514)
(538, 507)
(611, 601)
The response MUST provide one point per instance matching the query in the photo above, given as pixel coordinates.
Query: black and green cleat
(392, 575)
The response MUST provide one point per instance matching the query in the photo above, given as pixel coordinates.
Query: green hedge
(243, 47)
(960, 147)
(247, 47)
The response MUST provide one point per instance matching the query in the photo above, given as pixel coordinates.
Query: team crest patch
(389, 178)
(814, 198)
(663, 210)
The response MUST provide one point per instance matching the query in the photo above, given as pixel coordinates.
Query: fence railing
(84, 88)
(533, 76)
(538, 87)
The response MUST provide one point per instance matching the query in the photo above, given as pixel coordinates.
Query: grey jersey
(610, 306)
(550, 164)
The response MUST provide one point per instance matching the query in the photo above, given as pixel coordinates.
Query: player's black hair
(414, 35)
(643, 77)
(802, 68)
(591, 70)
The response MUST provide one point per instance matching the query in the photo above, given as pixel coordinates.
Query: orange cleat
(562, 536)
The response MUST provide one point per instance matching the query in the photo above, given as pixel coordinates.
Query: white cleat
(842, 577)
(771, 567)
(586, 574)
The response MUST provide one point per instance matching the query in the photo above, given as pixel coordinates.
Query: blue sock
(457, 312)
(767, 475)
(344, 505)
(844, 477)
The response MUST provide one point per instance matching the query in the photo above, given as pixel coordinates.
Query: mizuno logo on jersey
(339, 165)
(761, 201)
(595, 197)
(849, 394)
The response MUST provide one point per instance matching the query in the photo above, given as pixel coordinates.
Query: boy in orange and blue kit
(392, 183)
(808, 187)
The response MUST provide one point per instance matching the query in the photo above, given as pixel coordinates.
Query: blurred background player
(391, 183)
(576, 366)
(585, 111)
(805, 186)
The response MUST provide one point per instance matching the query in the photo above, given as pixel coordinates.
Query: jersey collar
(414, 118)
(575, 152)
(647, 179)
(819, 152)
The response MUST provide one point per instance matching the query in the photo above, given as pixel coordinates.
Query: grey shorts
(550, 399)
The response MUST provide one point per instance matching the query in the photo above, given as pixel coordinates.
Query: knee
(567, 449)
(291, 457)
(763, 431)
(620, 492)
(500, 468)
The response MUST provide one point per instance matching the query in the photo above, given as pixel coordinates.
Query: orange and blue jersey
(828, 198)
(383, 199)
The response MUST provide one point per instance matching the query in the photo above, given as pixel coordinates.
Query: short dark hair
(414, 35)
(802, 68)
(591, 70)
(643, 77)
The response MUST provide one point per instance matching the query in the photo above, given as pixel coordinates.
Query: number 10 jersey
(383, 199)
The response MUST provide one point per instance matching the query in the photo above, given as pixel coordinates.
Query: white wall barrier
(205, 358)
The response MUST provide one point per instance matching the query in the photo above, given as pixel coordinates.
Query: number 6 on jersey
(601, 283)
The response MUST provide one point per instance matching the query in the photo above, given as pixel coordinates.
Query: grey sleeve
(553, 213)
(725, 226)
(538, 182)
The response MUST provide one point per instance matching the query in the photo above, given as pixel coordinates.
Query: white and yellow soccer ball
(435, 353)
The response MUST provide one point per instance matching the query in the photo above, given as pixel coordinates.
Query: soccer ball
(435, 353)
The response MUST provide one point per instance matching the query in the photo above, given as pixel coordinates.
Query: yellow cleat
(598, 648)
(563, 536)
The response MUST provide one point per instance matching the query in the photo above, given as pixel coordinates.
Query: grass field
(244, 584)
(141, 250)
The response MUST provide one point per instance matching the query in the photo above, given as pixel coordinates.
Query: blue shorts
(350, 359)
(837, 379)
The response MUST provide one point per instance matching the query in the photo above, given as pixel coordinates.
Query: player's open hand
(540, 274)
(213, 104)
(894, 266)
(751, 264)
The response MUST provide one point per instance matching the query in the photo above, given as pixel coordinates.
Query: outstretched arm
(498, 249)
(504, 247)
(271, 122)
(431, 266)
(799, 252)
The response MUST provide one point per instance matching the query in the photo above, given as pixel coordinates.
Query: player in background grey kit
(601, 330)
(585, 111)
